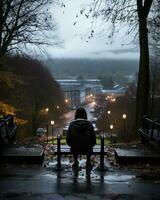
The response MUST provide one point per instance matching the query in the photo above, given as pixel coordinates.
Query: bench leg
(102, 162)
(102, 154)
(58, 161)
(58, 153)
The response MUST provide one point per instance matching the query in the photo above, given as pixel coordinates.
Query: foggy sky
(75, 37)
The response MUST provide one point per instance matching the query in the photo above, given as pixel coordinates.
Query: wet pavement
(35, 182)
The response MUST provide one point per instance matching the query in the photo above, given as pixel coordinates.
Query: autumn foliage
(27, 88)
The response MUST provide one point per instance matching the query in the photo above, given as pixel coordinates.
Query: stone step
(135, 155)
(23, 154)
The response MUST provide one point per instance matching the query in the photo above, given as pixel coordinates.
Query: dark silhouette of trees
(90, 68)
(143, 86)
(154, 25)
(33, 91)
(154, 43)
(132, 13)
(25, 22)
(107, 81)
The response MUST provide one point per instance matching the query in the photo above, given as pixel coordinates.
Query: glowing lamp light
(66, 100)
(111, 126)
(46, 109)
(113, 100)
(109, 112)
(124, 116)
(52, 122)
(57, 107)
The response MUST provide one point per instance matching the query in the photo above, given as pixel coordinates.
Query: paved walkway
(34, 182)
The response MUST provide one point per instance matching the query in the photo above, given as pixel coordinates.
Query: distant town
(78, 92)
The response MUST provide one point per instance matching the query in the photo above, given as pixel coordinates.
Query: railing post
(102, 153)
(58, 152)
(47, 132)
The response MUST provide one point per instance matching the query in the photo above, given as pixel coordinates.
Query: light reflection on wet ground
(46, 183)
(112, 175)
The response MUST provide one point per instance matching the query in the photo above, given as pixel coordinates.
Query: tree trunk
(143, 87)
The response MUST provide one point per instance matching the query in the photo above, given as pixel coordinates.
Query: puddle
(67, 172)
(118, 178)
(93, 175)
(52, 176)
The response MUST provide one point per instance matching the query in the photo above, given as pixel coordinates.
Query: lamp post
(111, 128)
(124, 124)
(66, 102)
(47, 132)
(52, 124)
(108, 113)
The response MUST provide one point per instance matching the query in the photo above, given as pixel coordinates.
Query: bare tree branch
(23, 22)
(135, 14)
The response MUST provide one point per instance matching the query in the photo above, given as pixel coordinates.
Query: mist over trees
(136, 15)
(90, 68)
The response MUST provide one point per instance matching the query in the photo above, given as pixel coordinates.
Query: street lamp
(124, 116)
(57, 107)
(124, 124)
(46, 109)
(52, 124)
(111, 128)
(109, 112)
(47, 132)
(66, 100)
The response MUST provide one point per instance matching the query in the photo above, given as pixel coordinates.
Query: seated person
(81, 138)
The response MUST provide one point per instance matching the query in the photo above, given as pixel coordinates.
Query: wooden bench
(150, 130)
(65, 150)
(7, 129)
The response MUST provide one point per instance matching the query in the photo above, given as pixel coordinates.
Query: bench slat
(65, 149)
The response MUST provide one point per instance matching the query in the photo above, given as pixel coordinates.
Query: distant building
(110, 95)
(76, 91)
(117, 91)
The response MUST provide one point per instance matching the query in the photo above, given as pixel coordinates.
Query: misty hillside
(90, 68)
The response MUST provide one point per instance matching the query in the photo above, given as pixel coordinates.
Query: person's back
(81, 137)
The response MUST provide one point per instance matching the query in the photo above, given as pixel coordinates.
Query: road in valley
(69, 116)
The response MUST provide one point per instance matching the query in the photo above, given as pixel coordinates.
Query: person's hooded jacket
(81, 136)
